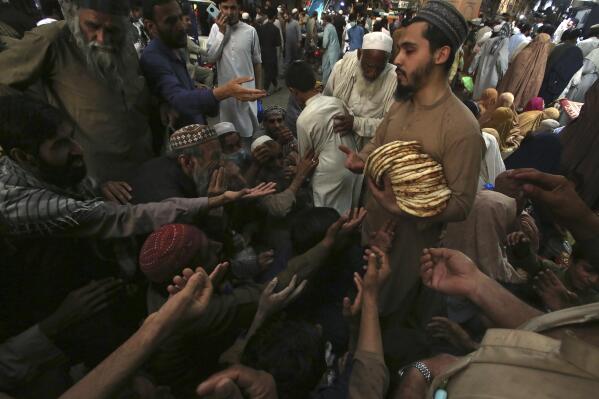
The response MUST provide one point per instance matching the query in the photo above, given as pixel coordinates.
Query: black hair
(25, 123)
(185, 7)
(525, 27)
(473, 107)
(271, 12)
(309, 227)
(437, 39)
(547, 28)
(148, 7)
(239, 2)
(300, 76)
(292, 352)
(570, 34)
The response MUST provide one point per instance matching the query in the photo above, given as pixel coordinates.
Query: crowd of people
(165, 235)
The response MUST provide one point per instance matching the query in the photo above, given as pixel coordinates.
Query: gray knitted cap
(447, 18)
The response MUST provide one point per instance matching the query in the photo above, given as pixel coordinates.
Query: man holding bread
(427, 174)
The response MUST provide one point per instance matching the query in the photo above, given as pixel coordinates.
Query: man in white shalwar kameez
(332, 49)
(332, 184)
(365, 81)
(235, 48)
(492, 62)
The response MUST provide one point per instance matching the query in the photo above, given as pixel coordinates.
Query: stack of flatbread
(417, 179)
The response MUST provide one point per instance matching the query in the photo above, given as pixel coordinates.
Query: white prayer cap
(377, 41)
(294, 11)
(245, 16)
(497, 28)
(224, 128)
(378, 19)
(340, 12)
(259, 141)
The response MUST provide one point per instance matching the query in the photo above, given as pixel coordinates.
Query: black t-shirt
(270, 38)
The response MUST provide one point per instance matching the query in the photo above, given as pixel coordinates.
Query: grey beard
(201, 178)
(106, 66)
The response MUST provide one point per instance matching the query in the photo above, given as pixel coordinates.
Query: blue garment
(165, 70)
(355, 36)
(332, 51)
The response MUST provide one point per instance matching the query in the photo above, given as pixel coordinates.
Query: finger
(219, 177)
(219, 272)
(241, 375)
(179, 282)
(187, 273)
(543, 180)
(297, 292)
(172, 289)
(243, 79)
(226, 389)
(287, 290)
(271, 286)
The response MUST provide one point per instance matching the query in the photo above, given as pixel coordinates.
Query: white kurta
(368, 101)
(490, 67)
(332, 184)
(492, 164)
(235, 54)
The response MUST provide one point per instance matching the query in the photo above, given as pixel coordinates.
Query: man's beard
(201, 178)
(406, 92)
(65, 176)
(106, 62)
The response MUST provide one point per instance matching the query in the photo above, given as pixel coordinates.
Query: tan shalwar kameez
(450, 134)
(111, 126)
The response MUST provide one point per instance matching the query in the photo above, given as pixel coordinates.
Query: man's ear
(186, 163)
(151, 28)
(22, 157)
(442, 55)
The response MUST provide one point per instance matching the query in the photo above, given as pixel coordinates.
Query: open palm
(447, 271)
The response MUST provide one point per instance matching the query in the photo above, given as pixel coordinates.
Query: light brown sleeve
(461, 164)
(278, 205)
(303, 265)
(369, 377)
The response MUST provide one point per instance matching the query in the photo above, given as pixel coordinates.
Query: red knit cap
(168, 250)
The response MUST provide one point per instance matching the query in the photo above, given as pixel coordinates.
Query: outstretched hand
(345, 225)
(238, 382)
(351, 310)
(271, 302)
(353, 162)
(449, 272)
(261, 190)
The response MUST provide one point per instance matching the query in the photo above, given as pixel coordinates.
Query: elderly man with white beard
(88, 68)
(365, 81)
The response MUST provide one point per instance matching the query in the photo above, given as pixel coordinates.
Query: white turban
(294, 11)
(224, 128)
(377, 41)
(259, 141)
(245, 16)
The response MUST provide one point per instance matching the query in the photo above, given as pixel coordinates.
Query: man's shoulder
(51, 32)
(462, 115)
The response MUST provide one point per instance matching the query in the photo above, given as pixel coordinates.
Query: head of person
(505, 100)
(39, 138)
(101, 30)
(427, 47)
(594, 31)
(268, 148)
(473, 107)
(314, 14)
(198, 152)
(286, 16)
(274, 120)
(293, 352)
(374, 54)
(547, 28)
(583, 274)
(551, 113)
(164, 20)
(230, 9)
(535, 104)
(488, 98)
(294, 13)
(271, 13)
(326, 19)
(570, 35)
(525, 29)
(174, 247)
(300, 81)
(228, 136)
(308, 227)
(572, 23)
(187, 12)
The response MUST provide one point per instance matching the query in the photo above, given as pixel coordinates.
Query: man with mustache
(87, 66)
(427, 111)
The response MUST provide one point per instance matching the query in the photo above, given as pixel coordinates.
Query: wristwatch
(426, 373)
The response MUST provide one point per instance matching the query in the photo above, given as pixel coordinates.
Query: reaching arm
(108, 376)
(453, 273)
